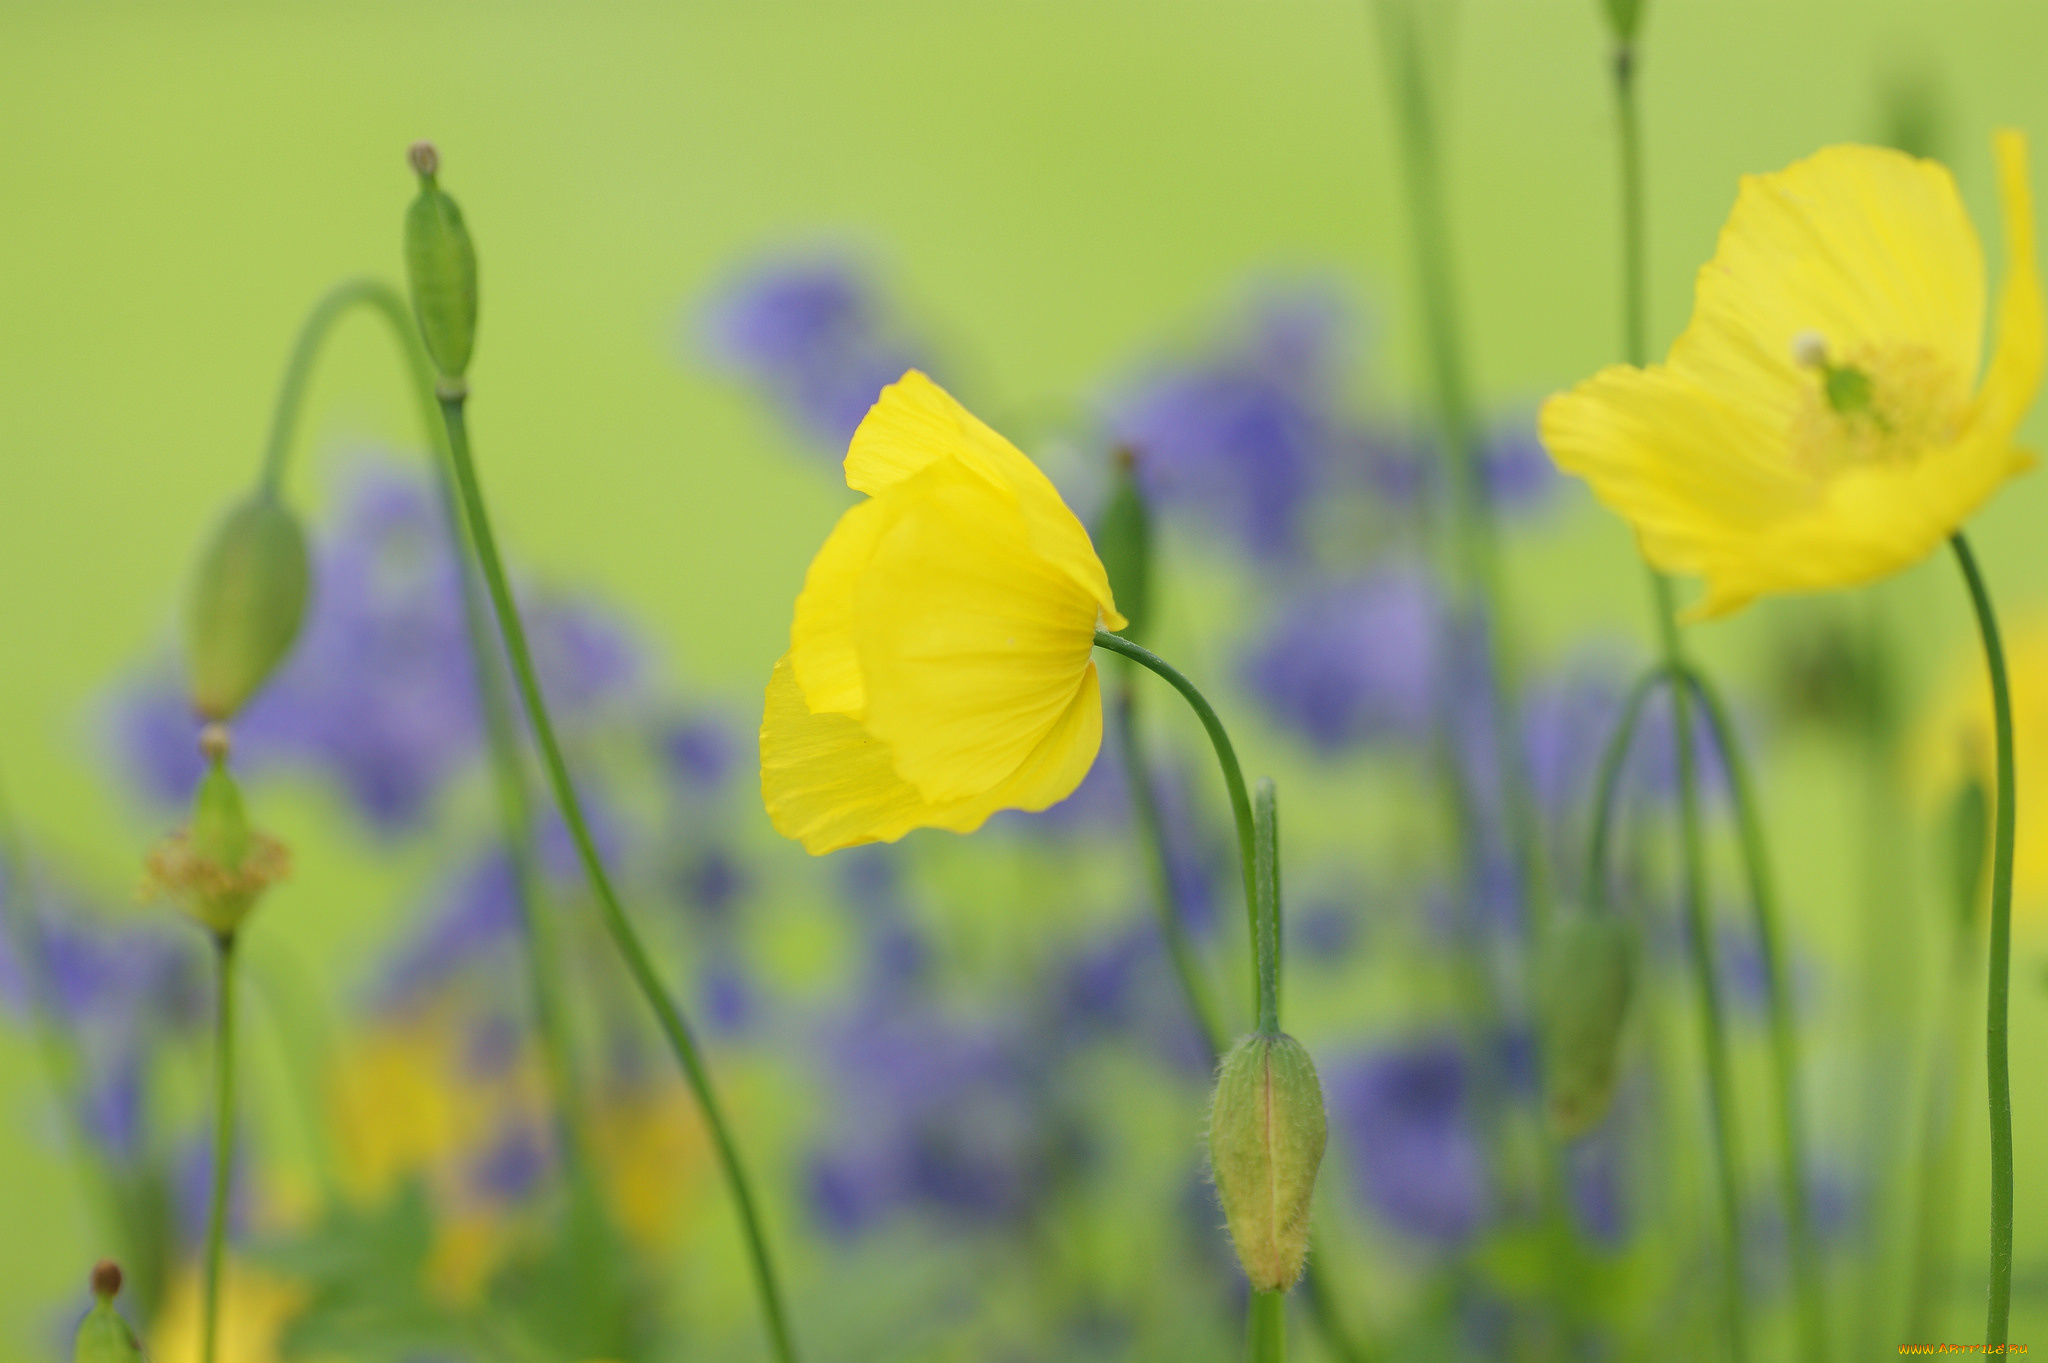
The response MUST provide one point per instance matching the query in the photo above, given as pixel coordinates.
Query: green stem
(508, 773)
(1266, 866)
(223, 1140)
(1763, 898)
(670, 1018)
(1267, 1327)
(1152, 832)
(1187, 969)
(1233, 779)
(1999, 1298)
(1607, 789)
(1470, 513)
(1635, 327)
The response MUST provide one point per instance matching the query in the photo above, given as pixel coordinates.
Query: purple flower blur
(1404, 1116)
(1354, 661)
(814, 335)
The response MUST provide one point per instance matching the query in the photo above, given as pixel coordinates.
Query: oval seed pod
(1585, 976)
(1266, 1137)
(246, 605)
(1123, 541)
(103, 1337)
(440, 262)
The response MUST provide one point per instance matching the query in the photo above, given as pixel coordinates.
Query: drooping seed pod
(1266, 1137)
(247, 602)
(1123, 541)
(103, 1337)
(440, 261)
(218, 867)
(1585, 975)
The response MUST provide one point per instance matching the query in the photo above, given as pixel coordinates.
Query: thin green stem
(670, 1018)
(1763, 898)
(1692, 850)
(1267, 1327)
(1233, 779)
(1473, 533)
(508, 772)
(1180, 951)
(223, 1140)
(1607, 788)
(1998, 1073)
(1266, 867)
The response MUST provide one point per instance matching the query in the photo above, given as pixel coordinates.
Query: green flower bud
(246, 605)
(1624, 17)
(441, 264)
(1585, 973)
(219, 867)
(103, 1337)
(1266, 1135)
(1123, 541)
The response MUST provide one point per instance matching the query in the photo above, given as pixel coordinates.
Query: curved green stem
(1763, 898)
(1607, 788)
(1233, 778)
(638, 964)
(1998, 1073)
(1180, 952)
(223, 1141)
(1267, 1327)
(508, 773)
(1635, 326)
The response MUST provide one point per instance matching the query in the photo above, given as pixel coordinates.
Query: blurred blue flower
(380, 693)
(513, 1167)
(1404, 1117)
(813, 333)
(1515, 470)
(1354, 661)
(935, 1114)
(700, 752)
(1250, 434)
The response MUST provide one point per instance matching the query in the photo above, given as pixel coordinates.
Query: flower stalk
(223, 1140)
(1998, 1305)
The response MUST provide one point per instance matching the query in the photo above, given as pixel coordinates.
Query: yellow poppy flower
(1816, 425)
(941, 664)
(1954, 741)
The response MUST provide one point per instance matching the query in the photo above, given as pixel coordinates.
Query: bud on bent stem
(246, 606)
(1266, 1136)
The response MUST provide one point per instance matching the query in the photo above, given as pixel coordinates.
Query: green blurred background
(1056, 187)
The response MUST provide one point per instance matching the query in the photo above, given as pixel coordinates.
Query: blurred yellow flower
(1954, 745)
(941, 662)
(1816, 425)
(255, 1308)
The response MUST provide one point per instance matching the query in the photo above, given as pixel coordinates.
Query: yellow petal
(971, 642)
(828, 783)
(915, 423)
(1862, 244)
(821, 651)
(2015, 373)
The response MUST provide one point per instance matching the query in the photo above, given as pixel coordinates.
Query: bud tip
(213, 743)
(424, 158)
(106, 1279)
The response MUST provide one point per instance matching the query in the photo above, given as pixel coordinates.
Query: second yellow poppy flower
(941, 662)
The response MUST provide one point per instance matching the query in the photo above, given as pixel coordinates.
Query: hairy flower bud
(218, 868)
(103, 1337)
(1586, 972)
(1266, 1136)
(1123, 541)
(246, 605)
(441, 263)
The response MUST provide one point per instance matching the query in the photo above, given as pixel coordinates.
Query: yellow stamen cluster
(217, 895)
